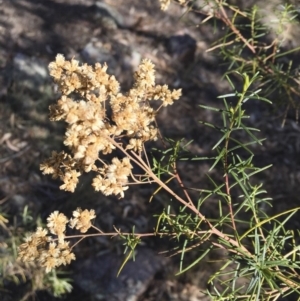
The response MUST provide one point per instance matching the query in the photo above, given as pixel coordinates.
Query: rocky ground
(120, 33)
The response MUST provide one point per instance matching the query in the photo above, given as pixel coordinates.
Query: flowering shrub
(86, 93)
(260, 250)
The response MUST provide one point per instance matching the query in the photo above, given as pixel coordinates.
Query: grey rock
(182, 47)
(29, 72)
(98, 275)
(95, 52)
(107, 16)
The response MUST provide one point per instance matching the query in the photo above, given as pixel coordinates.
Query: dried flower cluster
(87, 93)
(48, 251)
(164, 4)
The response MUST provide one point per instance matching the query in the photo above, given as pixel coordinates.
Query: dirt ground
(32, 32)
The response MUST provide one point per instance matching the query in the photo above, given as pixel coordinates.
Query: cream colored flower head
(82, 219)
(57, 224)
(114, 178)
(164, 4)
